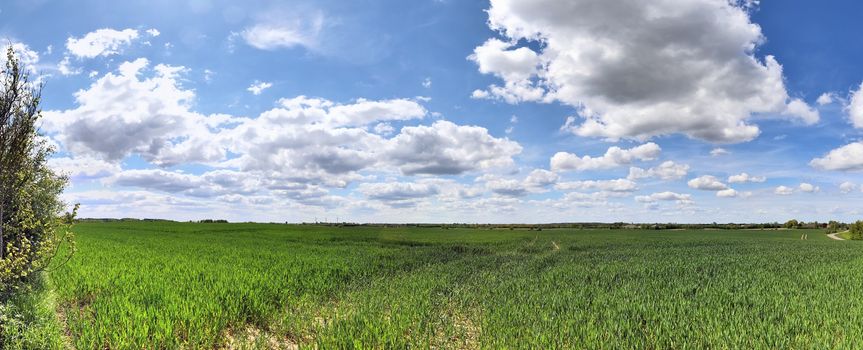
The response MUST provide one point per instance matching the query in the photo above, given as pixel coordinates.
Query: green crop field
(146, 285)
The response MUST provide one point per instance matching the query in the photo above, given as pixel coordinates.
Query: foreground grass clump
(182, 285)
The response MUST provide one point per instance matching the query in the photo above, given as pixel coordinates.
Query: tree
(856, 230)
(792, 223)
(31, 225)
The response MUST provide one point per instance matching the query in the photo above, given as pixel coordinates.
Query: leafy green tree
(856, 230)
(792, 223)
(32, 226)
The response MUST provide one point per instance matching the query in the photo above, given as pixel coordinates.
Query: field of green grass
(147, 285)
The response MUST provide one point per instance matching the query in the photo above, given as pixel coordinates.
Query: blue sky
(451, 111)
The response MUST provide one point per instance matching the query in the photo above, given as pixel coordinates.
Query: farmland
(184, 285)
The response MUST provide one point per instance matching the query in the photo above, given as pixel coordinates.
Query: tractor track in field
(836, 237)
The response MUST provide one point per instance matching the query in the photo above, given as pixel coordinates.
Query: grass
(181, 285)
(28, 319)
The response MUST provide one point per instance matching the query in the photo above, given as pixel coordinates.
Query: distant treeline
(833, 226)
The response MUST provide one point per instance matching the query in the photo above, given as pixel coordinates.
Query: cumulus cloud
(447, 148)
(845, 158)
(707, 183)
(665, 196)
(676, 67)
(668, 170)
(783, 190)
(120, 114)
(825, 99)
(615, 185)
(398, 194)
(613, 157)
(847, 187)
(103, 42)
(727, 193)
(855, 107)
(258, 87)
(809, 188)
(83, 167)
(719, 151)
(744, 177)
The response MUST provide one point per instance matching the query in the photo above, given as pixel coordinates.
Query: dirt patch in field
(252, 337)
(463, 332)
(63, 319)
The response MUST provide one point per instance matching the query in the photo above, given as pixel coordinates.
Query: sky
(498, 111)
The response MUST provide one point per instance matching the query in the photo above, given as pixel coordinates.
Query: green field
(135, 285)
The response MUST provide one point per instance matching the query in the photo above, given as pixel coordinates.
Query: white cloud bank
(613, 157)
(676, 67)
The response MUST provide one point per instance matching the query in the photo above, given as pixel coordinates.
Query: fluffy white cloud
(719, 151)
(665, 196)
(447, 148)
(616, 185)
(845, 158)
(613, 157)
(398, 194)
(285, 32)
(707, 183)
(809, 188)
(825, 99)
(83, 166)
(103, 42)
(258, 87)
(675, 67)
(120, 114)
(744, 177)
(783, 190)
(847, 187)
(855, 107)
(727, 193)
(541, 178)
(668, 170)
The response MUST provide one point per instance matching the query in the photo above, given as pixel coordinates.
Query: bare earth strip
(836, 237)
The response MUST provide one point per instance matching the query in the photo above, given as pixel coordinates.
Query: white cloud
(657, 75)
(447, 148)
(744, 177)
(825, 99)
(783, 190)
(707, 183)
(809, 188)
(153, 32)
(384, 129)
(845, 158)
(540, 178)
(427, 83)
(120, 114)
(65, 67)
(616, 185)
(727, 193)
(613, 157)
(719, 151)
(102, 42)
(83, 167)
(665, 196)
(398, 194)
(258, 87)
(847, 187)
(855, 107)
(668, 170)
(285, 32)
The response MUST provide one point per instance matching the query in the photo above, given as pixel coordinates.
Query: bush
(31, 225)
(856, 230)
